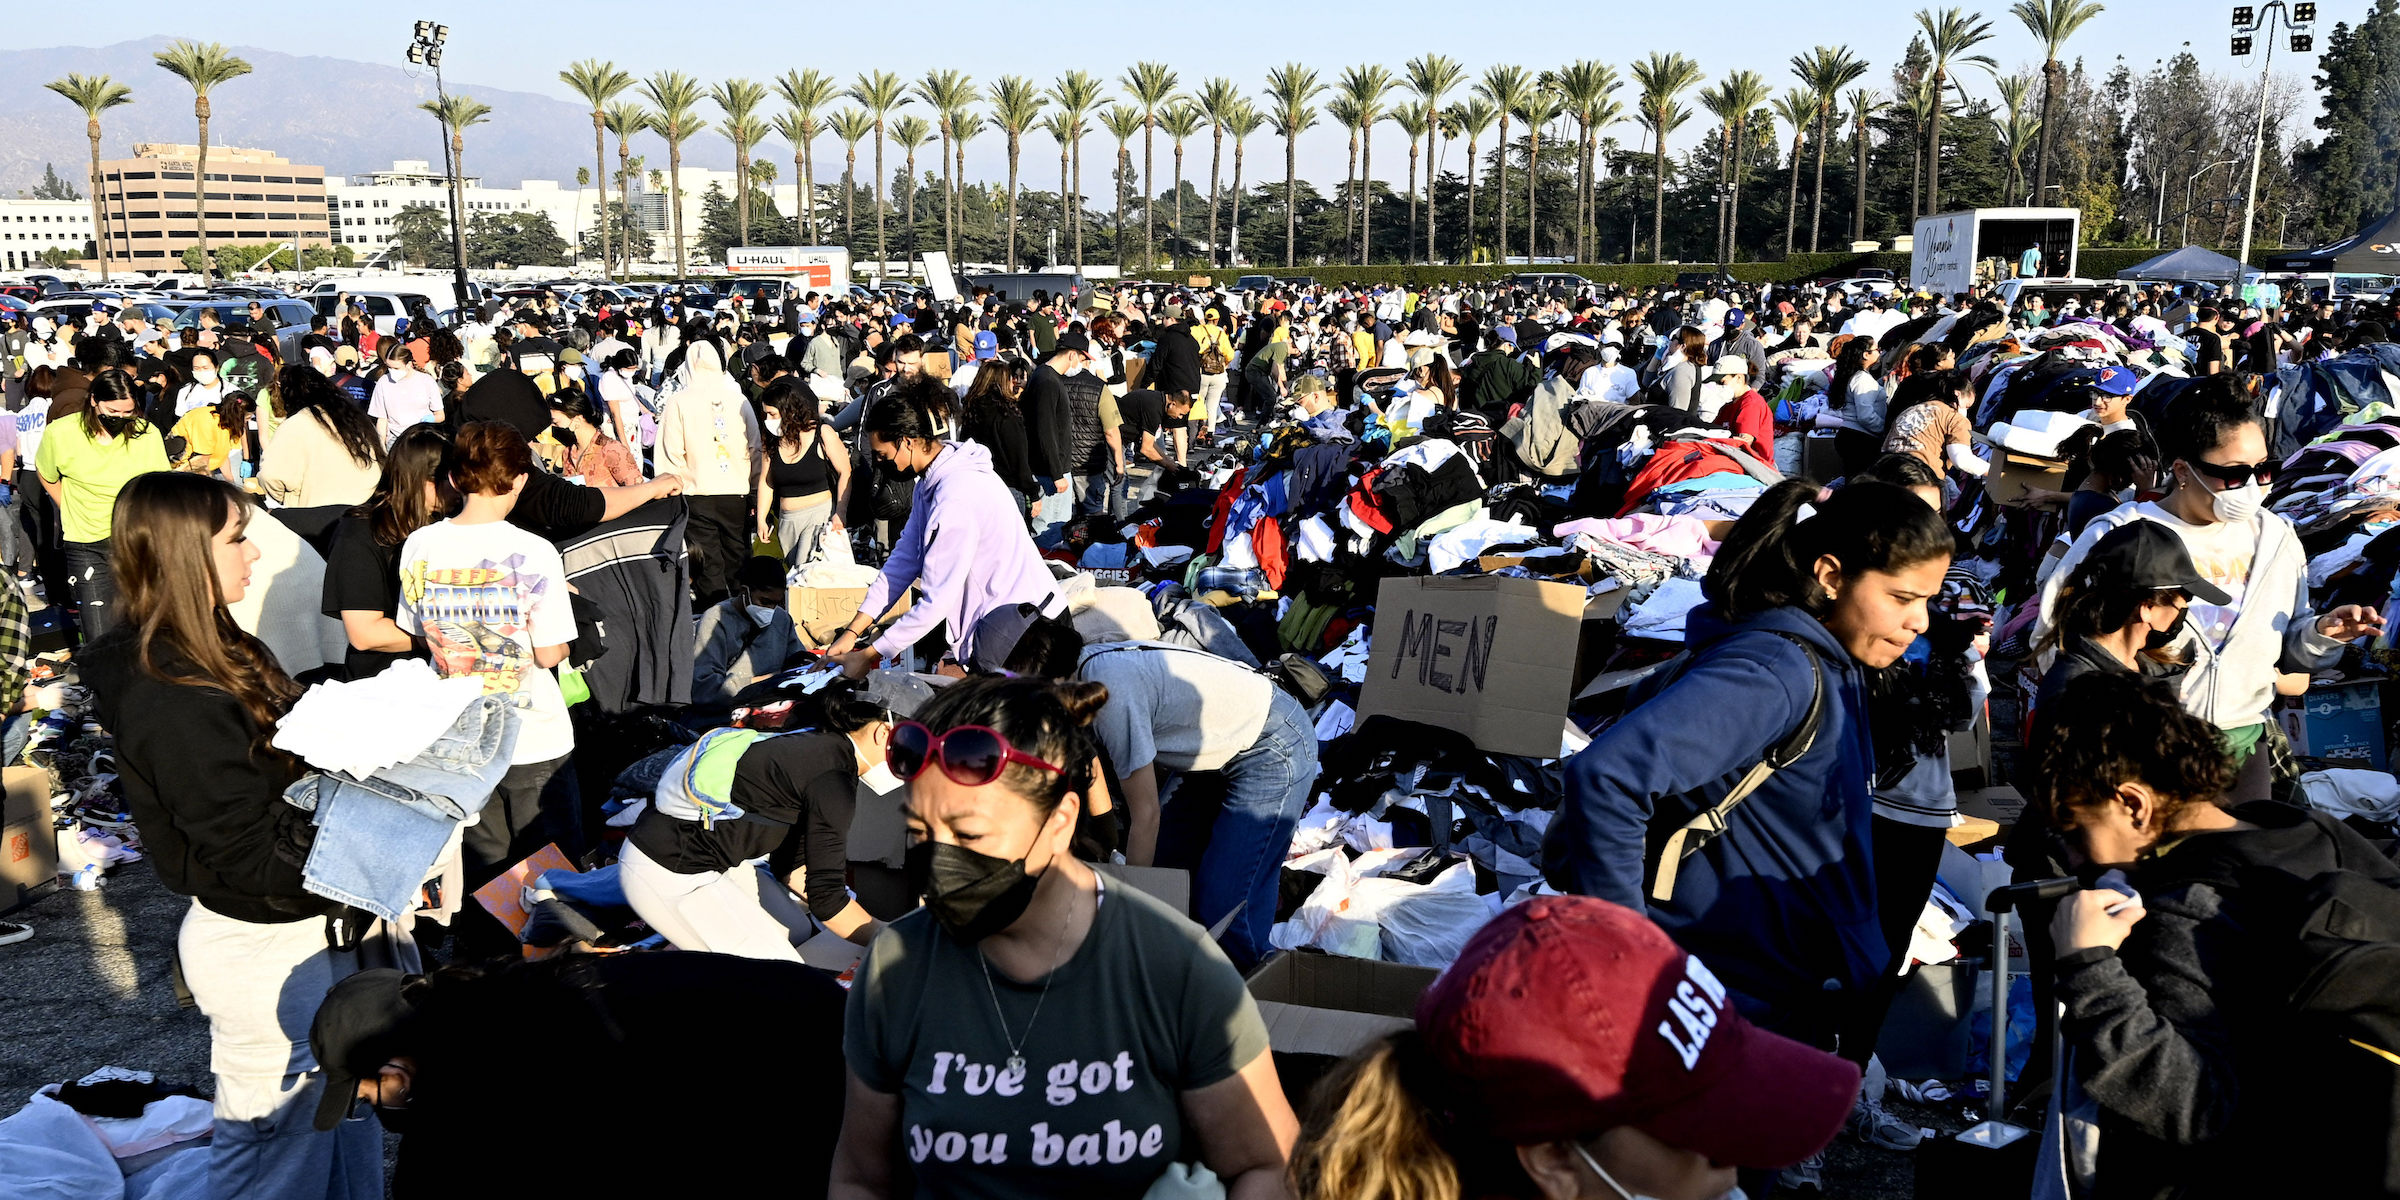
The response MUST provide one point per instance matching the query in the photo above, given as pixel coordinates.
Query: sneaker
(1807, 1173)
(1876, 1126)
(12, 933)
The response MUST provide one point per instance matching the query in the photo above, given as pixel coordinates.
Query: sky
(521, 47)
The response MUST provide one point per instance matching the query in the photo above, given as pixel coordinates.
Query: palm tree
(879, 93)
(912, 131)
(2051, 22)
(808, 93)
(1949, 35)
(1369, 87)
(1470, 117)
(1863, 103)
(204, 66)
(1077, 93)
(949, 94)
(1218, 98)
(852, 125)
(1181, 120)
(965, 126)
(1123, 121)
(1748, 90)
(1662, 77)
(1543, 104)
(2018, 126)
(598, 83)
(1508, 88)
(1797, 107)
(1921, 100)
(94, 94)
(1066, 131)
(625, 119)
(1719, 101)
(1016, 105)
(789, 126)
(739, 99)
(1292, 86)
(458, 113)
(1414, 119)
(1243, 121)
(1431, 77)
(1585, 88)
(1824, 71)
(1150, 85)
(674, 100)
(1344, 113)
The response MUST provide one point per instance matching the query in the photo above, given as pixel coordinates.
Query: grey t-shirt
(1185, 709)
(1147, 1009)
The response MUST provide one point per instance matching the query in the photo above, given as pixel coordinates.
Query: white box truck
(809, 268)
(1955, 251)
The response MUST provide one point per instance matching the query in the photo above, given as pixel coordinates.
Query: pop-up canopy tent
(2188, 265)
(2373, 251)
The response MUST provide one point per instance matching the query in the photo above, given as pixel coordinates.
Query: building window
(180, 196)
(183, 233)
(142, 175)
(171, 175)
(192, 215)
(139, 196)
(279, 179)
(220, 179)
(147, 233)
(242, 178)
(149, 254)
(145, 216)
(253, 197)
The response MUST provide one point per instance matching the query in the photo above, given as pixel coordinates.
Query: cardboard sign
(1493, 658)
(504, 897)
(818, 614)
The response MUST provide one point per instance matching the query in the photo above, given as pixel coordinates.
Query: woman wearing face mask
(600, 460)
(1505, 1092)
(758, 878)
(618, 395)
(803, 478)
(83, 462)
(1806, 594)
(963, 546)
(1088, 1035)
(2217, 455)
(2190, 1068)
(405, 395)
(216, 438)
(206, 387)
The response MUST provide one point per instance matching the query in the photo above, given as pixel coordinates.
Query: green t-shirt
(91, 473)
(1147, 1009)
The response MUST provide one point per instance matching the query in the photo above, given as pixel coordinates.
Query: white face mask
(2238, 503)
(774, 426)
(880, 779)
(761, 613)
(1605, 1177)
(204, 378)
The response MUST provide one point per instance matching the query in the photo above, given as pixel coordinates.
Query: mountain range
(344, 115)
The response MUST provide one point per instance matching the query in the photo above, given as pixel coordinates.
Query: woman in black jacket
(193, 702)
(992, 419)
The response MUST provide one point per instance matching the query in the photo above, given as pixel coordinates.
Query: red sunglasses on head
(970, 755)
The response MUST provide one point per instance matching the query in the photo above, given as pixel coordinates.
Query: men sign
(1493, 658)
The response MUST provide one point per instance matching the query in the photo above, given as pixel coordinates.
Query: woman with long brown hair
(803, 478)
(193, 702)
(362, 568)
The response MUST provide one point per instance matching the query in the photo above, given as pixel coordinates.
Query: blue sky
(521, 46)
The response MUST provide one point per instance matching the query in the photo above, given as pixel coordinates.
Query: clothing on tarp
(634, 570)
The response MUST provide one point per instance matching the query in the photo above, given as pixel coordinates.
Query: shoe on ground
(12, 933)
(1807, 1173)
(1876, 1126)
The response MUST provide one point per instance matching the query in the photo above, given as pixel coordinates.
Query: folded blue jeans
(377, 838)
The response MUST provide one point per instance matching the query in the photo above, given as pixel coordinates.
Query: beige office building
(254, 196)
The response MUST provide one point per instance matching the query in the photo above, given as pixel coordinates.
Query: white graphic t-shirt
(484, 596)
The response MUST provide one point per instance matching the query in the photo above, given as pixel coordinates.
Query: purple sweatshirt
(965, 546)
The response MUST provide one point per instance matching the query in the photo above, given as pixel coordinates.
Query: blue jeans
(1092, 493)
(1131, 490)
(1267, 787)
(1057, 509)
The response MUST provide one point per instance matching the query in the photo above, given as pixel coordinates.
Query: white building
(28, 227)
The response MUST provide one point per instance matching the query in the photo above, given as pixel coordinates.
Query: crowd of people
(1105, 569)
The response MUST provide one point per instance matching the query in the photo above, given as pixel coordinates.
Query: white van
(386, 308)
(437, 286)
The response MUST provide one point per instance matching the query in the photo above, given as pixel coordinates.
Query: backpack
(2342, 1033)
(1212, 360)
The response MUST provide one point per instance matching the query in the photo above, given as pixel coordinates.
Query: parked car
(290, 317)
(385, 307)
(1686, 281)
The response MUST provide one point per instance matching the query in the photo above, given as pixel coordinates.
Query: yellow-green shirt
(204, 437)
(91, 473)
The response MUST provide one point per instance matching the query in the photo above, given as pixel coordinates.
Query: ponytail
(1376, 1131)
(1769, 559)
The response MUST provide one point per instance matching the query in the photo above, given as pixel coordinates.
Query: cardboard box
(1323, 1004)
(1971, 755)
(1490, 657)
(820, 613)
(28, 841)
(1166, 885)
(2338, 721)
(2016, 474)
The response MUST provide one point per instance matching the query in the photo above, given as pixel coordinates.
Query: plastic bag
(1331, 919)
(1426, 925)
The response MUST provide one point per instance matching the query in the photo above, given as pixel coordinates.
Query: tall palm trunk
(910, 200)
(1858, 203)
(1012, 200)
(674, 197)
(1791, 202)
(1916, 175)
(883, 252)
(949, 224)
(1500, 189)
(1350, 196)
(1816, 208)
(91, 129)
(807, 206)
(1933, 145)
(1234, 218)
(1149, 194)
(1412, 197)
(1291, 213)
(1124, 168)
(208, 265)
(1366, 199)
(1533, 162)
(1468, 250)
(1177, 232)
(1733, 197)
(850, 196)
(1658, 200)
(2053, 77)
(1433, 158)
(600, 176)
(959, 199)
(1079, 205)
(741, 190)
(458, 174)
(1583, 184)
(1216, 154)
(1064, 200)
(624, 176)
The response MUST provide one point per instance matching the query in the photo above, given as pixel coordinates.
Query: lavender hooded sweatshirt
(965, 545)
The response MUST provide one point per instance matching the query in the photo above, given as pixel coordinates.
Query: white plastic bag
(1427, 924)
(1331, 919)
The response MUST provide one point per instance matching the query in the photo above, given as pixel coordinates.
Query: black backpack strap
(1711, 821)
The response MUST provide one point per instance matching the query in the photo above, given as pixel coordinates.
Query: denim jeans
(1131, 490)
(1092, 492)
(1267, 787)
(95, 584)
(1057, 509)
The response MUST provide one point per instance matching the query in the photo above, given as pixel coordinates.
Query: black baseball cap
(1074, 340)
(358, 1027)
(2149, 556)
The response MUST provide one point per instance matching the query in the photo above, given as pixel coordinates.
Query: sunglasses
(2235, 474)
(971, 755)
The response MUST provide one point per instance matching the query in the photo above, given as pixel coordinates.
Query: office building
(29, 227)
(254, 197)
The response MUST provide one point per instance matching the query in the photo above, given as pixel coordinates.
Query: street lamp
(2055, 187)
(2300, 21)
(426, 51)
(2187, 198)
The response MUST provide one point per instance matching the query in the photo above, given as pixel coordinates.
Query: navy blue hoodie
(1782, 905)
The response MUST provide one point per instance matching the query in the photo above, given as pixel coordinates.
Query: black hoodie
(210, 811)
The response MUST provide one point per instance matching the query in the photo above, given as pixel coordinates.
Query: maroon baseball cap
(1567, 1017)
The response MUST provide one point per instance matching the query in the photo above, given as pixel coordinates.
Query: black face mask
(973, 895)
(2160, 639)
(116, 426)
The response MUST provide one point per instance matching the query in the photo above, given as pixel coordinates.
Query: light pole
(2300, 21)
(426, 51)
(2187, 199)
(2055, 187)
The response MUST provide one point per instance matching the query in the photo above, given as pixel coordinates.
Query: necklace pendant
(1016, 1062)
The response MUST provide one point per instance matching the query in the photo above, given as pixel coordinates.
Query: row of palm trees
(1417, 98)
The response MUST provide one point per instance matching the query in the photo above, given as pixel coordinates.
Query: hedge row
(2094, 262)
